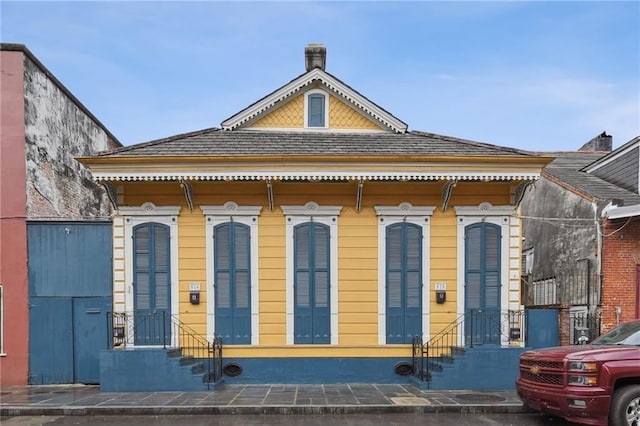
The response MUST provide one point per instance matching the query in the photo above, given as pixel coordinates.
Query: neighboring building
(46, 199)
(621, 235)
(576, 253)
(315, 235)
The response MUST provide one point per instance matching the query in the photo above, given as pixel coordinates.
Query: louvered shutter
(311, 284)
(316, 110)
(403, 282)
(232, 279)
(152, 284)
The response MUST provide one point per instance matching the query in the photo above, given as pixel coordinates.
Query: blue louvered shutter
(413, 279)
(232, 279)
(316, 110)
(321, 308)
(403, 282)
(482, 283)
(311, 284)
(152, 284)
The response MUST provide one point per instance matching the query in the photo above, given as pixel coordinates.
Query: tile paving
(253, 399)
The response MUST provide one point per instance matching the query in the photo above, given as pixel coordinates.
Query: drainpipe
(599, 240)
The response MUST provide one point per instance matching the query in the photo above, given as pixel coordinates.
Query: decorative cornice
(314, 175)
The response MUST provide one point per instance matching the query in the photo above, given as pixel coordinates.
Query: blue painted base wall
(140, 370)
(316, 370)
(480, 368)
(145, 370)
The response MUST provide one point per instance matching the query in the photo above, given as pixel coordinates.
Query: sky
(539, 76)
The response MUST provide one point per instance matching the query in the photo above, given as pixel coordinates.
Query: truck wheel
(625, 406)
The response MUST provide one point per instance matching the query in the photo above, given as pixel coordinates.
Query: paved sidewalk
(254, 399)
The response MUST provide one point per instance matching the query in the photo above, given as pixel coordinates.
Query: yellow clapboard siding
(197, 242)
(272, 329)
(368, 308)
(369, 329)
(319, 351)
(194, 275)
(267, 307)
(192, 263)
(357, 339)
(272, 274)
(272, 285)
(358, 296)
(272, 296)
(359, 317)
(273, 242)
(272, 317)
(357, 280)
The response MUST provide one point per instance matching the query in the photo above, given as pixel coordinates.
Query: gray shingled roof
(217, 142)
(567, 167)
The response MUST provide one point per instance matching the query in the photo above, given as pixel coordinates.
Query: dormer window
(316, 107)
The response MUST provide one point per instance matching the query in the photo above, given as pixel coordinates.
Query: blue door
(152, 284)
(403, 282)
(482, 283)
(312, 318)
(89, 325)
(50, 340)
(232, 280)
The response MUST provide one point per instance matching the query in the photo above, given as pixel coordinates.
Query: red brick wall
(14, 361)
(620, 259)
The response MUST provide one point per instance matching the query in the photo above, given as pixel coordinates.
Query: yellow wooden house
(317, 237)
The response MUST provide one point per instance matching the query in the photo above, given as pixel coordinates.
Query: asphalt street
(439, 419)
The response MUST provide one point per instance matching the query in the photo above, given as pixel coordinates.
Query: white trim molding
(150, 213)
(496, 215)
(417, 215)
(326, 215)
(247, 215)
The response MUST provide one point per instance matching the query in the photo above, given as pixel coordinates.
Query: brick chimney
(315, 55)
(602, 142)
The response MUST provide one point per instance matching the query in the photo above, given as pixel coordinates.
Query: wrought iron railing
(474, 327)
(161, 329)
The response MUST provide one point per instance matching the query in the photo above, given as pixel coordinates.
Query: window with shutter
(403, 282)
(152, 284)
(311, 284)
(316, 110)
(232, 278)
(482, 282)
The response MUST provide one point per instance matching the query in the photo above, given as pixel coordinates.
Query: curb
(248, 410)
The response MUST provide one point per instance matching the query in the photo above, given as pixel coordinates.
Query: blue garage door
(70, 282)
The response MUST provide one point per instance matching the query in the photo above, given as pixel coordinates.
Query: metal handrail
(474, 327)
(165, 330)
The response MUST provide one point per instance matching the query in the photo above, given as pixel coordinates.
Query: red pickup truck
(595, 384)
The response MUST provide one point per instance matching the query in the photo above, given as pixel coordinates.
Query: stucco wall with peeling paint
(57, 131)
